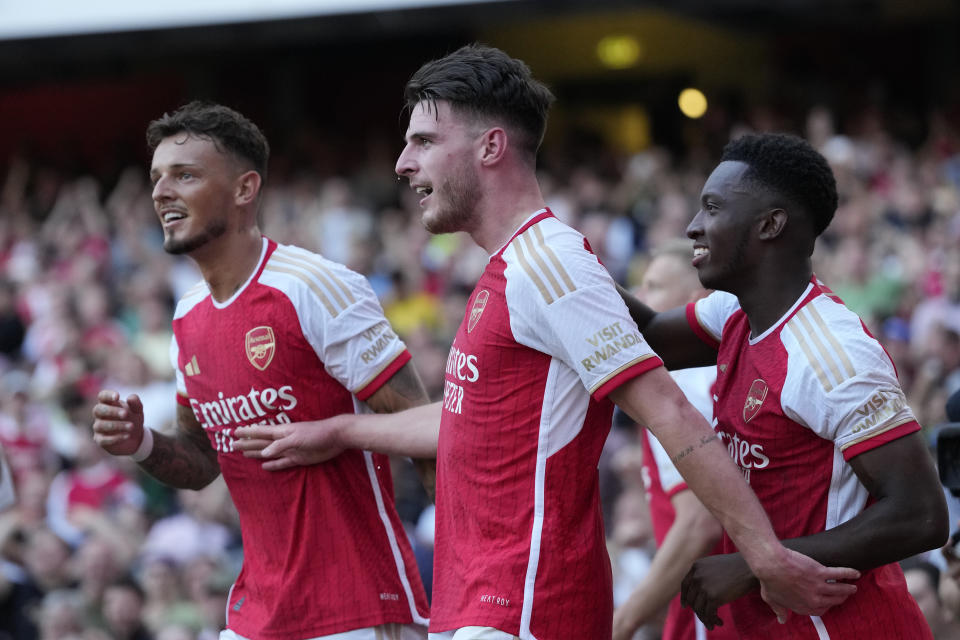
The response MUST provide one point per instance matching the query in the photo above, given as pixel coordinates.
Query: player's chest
(748, 390)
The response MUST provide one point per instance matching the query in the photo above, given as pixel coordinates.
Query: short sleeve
(361, 349)
(340, 317)
(564, 303)
(708, 316)
(182, 396)
(840, 382)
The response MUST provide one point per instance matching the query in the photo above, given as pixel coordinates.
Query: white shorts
(390, 631)
(473, 633)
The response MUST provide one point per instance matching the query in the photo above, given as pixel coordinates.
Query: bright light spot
(692, 103)
(619, 52)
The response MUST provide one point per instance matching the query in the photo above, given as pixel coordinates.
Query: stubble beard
(190, 244)
(457, 212)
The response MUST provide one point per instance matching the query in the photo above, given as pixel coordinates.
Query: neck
(227, 263)
(503, 210)
(771, 295)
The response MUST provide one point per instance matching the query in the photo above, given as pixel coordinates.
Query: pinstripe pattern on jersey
(552, 280)
(823, 351)
(392, 538)
(331, 291)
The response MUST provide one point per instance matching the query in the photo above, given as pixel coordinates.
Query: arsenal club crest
(755, 398)
(260, 346)
(477, 309)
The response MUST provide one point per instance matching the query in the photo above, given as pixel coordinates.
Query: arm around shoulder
(669, 334)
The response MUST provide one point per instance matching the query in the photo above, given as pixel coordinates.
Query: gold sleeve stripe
(538, 258)
(828, 356)
(522, 258)
(553, 258)
(816, 364)
(838, 349)
(874, 434)
(333, 311)
(821, 349)
(619, 370)
(323, 273)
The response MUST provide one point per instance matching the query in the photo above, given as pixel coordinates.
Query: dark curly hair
(787, 165)
(485, 83)
(229, 130)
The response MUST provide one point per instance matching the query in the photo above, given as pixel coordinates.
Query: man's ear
(772, 224)
(248, 187)
(493, 145)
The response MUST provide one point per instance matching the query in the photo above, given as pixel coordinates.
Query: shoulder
(553, 260)
(302, 274)
(712, 312)
(190, 299)
(836, 353)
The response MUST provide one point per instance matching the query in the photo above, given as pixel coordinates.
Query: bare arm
(693, 534)
(403, 391)
(411, 431)
(908, 517)
(669, 334)
(183, 459)
(788, 579)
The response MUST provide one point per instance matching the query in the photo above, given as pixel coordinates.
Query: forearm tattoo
(185, 459)
(704, 441)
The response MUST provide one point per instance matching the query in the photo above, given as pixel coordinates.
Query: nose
(405, 164)
(695, 228)
(161, 190)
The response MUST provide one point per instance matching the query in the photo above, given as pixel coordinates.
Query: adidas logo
(192, 368)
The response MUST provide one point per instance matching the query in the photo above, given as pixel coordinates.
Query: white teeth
(424, 191)
(170, 216)
(700, 251)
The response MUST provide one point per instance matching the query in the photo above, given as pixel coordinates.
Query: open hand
(282, 446)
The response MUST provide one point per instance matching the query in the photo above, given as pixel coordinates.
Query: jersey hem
(873, 442)
(648, 363)
(698, 328)
(381, 378)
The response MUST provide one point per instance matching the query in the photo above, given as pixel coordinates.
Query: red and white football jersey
(793, 405)
(662, 481)
(304, 339)
(519, 536)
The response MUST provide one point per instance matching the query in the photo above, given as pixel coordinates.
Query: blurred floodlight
(692, 103)
(40, 18)
(619, 52)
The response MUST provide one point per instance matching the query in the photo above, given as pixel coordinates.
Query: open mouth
(170, 217)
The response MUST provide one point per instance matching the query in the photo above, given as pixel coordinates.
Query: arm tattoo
(705, 440)
(402, 391)
(184, 459)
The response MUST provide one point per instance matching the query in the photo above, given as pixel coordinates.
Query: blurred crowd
(95, 549)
